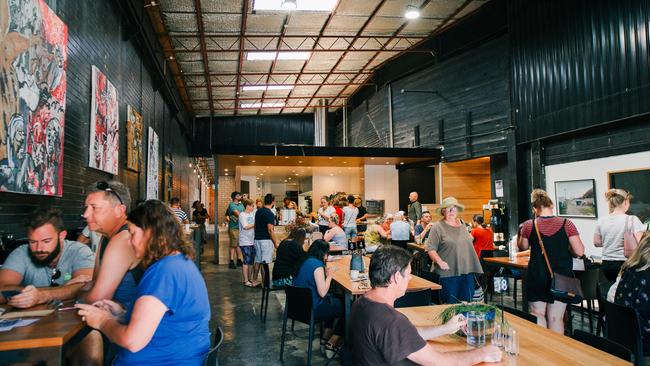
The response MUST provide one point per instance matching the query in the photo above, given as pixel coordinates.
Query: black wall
(416, 180)
(97, 36)
(251, 130)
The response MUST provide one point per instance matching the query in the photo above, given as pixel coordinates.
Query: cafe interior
(298, 182)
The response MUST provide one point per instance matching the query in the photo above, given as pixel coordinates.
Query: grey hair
(118, 187)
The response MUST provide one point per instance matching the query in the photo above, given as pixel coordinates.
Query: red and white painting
(104, 125)
(33, 61)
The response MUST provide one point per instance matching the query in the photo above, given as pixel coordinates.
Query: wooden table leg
(524, 298)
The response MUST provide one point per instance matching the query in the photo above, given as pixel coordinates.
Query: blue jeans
(457, 288)
(328, 310)
(350, 232)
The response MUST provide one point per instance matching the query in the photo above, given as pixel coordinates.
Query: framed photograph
(576, 198)
(635, 182)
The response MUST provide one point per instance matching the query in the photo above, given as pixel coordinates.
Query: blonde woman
(561, 242)
(634, 288)
(610, 229)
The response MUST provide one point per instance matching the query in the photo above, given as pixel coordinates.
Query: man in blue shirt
(423, 228)
(400, 230)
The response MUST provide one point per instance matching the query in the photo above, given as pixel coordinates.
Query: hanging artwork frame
(134, 127)
(152, 165)
(104, 145)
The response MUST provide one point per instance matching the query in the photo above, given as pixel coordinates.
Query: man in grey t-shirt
(47, 268)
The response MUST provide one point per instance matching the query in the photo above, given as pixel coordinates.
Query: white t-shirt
(611, 229)
(95, 238)
(328, 211)
(350, 216)
(246, 237)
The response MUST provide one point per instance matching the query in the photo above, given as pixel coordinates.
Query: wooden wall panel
(469, 182)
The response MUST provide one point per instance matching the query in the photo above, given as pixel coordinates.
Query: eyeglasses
(107, 188)
(56, 274)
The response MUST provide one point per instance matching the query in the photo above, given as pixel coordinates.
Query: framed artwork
(133, 139)
(34, 44)
(152, 165)
(169, 177)
(635, 182)
(104, 146)
(576, 198)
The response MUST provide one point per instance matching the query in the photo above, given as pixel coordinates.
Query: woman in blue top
(168, 324)
(314, 275)
(335, 233)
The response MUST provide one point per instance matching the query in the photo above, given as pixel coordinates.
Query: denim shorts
(248, 254)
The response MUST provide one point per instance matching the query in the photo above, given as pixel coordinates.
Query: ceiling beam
(359, 32)
(278, 73)
(285, 25)
(292, 36)
(312, 50)
(204, 54)
(292, 84)
(258, 98)
(242, 34)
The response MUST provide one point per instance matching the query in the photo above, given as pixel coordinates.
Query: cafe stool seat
(267, 288)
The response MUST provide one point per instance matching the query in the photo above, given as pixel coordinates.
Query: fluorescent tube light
(270, 56)
(304, 5)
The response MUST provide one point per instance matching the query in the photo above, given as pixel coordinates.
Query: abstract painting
(133, 139)
(33, 61)
(104, 124)
(152, 165)
(576, 198)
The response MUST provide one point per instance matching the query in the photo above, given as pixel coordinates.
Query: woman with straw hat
(450, 247)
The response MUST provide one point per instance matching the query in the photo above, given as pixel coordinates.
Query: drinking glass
(497, 336)
(511, 342)
(475, 329)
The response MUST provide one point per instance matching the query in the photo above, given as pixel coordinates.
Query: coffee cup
(354, 274)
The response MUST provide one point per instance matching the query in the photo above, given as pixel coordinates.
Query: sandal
(248, 284)
(331, 350)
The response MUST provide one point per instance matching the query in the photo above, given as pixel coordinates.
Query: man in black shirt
(380, 335)
(265, 240)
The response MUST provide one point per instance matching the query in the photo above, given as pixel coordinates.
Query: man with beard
(47, 268)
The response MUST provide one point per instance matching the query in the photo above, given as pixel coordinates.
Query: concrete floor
(246, 340)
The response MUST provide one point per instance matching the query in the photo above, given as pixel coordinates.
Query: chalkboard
(375, 207)
(635, 182)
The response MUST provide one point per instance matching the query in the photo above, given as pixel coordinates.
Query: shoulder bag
(563, 287)
(629, 240)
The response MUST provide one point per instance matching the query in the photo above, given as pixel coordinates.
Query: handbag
(563, 287)
(629, 240)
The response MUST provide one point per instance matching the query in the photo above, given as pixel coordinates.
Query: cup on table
(497, 336)
(511, 342)
(354, 274)
(475, 329)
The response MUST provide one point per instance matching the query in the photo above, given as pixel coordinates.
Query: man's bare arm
(118, 259)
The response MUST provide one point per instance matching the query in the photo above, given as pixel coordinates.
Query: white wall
(382, 183)
(593, 169)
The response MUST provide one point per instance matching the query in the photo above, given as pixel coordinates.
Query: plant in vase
(491, 313)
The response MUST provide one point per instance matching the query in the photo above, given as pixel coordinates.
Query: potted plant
(491, 312)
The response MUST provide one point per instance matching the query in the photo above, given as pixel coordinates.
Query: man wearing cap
(232, 216)
(450, 247)
(415, 208)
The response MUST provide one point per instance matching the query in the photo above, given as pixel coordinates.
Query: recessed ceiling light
(286, 157)
(296, 174)
(330, 158)
(261, 173)
(252, 161)
(388, 162)
(226, 174)
(372, 158)
(289, 5)
(305, 5)
(225, 170)
(345, 162)
(241, 156)
(270, 56)
(412, 12)
(331, 175)
(300, 161)
(401, 163)
(285, 180)
(266, 87)
(289, 178)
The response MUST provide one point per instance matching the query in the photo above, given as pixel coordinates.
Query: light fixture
(241, 156)
(401, 163)
(412, 12)
(388, 162)
(270, 56)
(286, 157)
(194, 170)
(289, 5)
(225, 170)
(266, 87)
(262, 105)
(190, 165)
(252, 161)
(331, 175)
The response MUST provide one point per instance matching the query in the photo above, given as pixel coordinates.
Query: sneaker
(232, 265)
(239, 263)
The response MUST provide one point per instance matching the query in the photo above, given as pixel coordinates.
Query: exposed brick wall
(98, 37)
(224, 189)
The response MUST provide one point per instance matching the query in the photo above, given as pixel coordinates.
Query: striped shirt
(548, 226)
(182, 216)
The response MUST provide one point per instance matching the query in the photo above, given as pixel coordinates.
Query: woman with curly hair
(171, 300)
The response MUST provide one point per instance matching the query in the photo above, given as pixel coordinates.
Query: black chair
(415, 298)
(213, 357)
(603, 344)
(622, 326)
(522, 314)
(589, 284)
(267, 288)
(433, 277)
(601, 296)
(298, 307)
(491, 273)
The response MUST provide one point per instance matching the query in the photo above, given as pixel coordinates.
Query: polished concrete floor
(246, 340)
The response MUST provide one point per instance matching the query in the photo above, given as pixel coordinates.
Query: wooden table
(46, 340)
(415, 246)
(350, 288)
(521, 264)
(537, 345)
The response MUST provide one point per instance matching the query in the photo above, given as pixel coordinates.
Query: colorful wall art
(33, 61)
(133, 139)
(152, 165)
(104, 125)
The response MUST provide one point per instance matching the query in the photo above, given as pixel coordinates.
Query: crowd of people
(136, 270)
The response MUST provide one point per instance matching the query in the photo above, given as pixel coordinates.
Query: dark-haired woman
(168, 323)
(315, 275)
(288, 258)
(561, 243)
(482, 235)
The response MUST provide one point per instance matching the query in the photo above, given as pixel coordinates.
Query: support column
(391, 142)
(346, 142)
(215, 214)
(320, 124)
